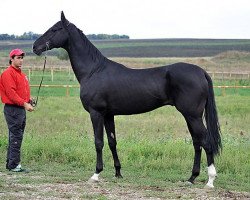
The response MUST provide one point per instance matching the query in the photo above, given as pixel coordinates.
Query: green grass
(155, 148)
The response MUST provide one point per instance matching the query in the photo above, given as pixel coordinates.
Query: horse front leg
(97, 122)
(110, 129)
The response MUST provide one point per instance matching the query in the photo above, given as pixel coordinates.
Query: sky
(139, 19)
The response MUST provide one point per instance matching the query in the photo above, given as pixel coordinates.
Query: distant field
(151, 47)
(170, 47)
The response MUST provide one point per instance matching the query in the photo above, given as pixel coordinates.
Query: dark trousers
(16, 120)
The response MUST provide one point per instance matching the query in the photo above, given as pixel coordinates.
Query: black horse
(108, 88)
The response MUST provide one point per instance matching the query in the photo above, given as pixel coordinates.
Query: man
(15, 94)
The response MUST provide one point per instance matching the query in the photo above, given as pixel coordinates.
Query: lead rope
(34, 103)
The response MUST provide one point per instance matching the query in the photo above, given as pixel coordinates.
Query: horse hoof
(94, 178)
(118, 176)
(189, 183)
(209, 186)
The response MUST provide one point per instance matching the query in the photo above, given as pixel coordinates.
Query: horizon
(171, 38)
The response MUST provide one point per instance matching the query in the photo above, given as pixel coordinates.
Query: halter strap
(44, 64)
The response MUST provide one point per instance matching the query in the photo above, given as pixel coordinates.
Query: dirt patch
(10, 189)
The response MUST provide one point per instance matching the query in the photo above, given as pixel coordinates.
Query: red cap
(16, 52)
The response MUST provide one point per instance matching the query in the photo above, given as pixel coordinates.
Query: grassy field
(155, 148)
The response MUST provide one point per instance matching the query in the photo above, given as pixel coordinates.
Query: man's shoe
(19, 169)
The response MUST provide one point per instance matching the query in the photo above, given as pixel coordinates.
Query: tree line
(106, 36)
(26, 36)
(33, 36)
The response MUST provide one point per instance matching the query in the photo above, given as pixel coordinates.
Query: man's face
(17, 61)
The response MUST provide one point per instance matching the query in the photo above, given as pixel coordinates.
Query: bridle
(34, 104)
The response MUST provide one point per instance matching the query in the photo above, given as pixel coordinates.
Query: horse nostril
(33, 49)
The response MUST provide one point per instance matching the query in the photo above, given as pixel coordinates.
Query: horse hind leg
(198, 132)
(211, 168)
(194, 127)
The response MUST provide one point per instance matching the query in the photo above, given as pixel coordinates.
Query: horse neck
(85, 58)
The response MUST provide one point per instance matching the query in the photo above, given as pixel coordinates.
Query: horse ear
(64, 21)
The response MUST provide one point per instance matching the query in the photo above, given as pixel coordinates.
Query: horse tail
(213, 138)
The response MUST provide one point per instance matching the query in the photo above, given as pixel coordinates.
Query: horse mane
(90, 48)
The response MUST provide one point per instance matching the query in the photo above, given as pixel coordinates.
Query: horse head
(55, 37)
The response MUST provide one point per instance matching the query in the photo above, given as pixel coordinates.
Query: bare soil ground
(28, 189)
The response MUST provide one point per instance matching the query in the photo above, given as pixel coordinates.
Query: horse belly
(135, 106)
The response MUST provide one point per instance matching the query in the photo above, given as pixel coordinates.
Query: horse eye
(55, 29)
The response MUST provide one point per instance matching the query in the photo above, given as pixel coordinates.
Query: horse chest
(92, 97)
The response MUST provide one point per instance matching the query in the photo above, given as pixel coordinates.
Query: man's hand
(28, 107)
(32, 102)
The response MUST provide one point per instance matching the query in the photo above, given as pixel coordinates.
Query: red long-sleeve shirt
(14, 87)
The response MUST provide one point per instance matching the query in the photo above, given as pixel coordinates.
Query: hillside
(150, 47)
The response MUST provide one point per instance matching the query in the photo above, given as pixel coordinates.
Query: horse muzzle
(38, 49)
